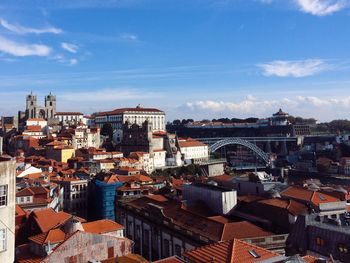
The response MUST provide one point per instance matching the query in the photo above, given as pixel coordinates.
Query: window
(138, 232)
(320, 242)
(2, 239)
(166, 248)
(178, 251)
(3, 195)
(342, 248)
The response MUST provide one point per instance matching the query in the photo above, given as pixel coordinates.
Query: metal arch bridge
(237, 141)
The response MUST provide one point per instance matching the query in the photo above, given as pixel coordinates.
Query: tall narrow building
(7, 209)
(50, 106)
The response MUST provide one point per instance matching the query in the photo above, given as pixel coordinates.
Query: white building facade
(7, 209)
(136, 115)
(221, 200)
(69, 118)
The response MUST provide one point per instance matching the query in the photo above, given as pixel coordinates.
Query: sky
(198, 59)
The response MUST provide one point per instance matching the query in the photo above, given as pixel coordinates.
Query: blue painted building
(103, 199)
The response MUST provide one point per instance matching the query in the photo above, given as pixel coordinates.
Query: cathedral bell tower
(31, 104)
(50, 106)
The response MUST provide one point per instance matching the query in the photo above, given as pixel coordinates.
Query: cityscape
(118, 145)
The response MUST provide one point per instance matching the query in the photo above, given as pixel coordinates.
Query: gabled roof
(309, 196)
(134, 178)
(201, 225)
(242, 229)
(293, 207)
(25, 192)
(233, 251)
(102, 226)
(190, 143)
(48, 218)
(173, 259)
(20, 211)
(53, 236)
(33, 128)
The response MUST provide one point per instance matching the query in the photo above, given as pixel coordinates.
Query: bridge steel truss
(237, 141)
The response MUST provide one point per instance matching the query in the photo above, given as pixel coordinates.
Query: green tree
(107, 130)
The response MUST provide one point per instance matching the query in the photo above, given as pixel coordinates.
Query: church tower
(31, 104)
(50, 106)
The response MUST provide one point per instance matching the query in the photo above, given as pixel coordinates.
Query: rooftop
(102, 226)
(233, 251)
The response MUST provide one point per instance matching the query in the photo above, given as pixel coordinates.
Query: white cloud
(321, 7)
(297, 68)
(109, 95)
(69, 47)
(20, 49)
(309, 106)
(129, 37)
(73, 61)
(28, 30)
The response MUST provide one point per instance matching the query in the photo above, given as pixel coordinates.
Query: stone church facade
(33, 110)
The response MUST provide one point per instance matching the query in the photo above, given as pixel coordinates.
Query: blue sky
(192, 58)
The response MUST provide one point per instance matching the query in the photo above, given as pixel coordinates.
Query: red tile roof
(206, 227)
(20, 211)
(173, 259)
(135, 178)
(53, 236)
(293, 207)
(102, 226)
(124, 110)
(48, 218)
(33, 128)
(309, 196)
(36, 119)
(190, 143)
(25, 192)
(68, 113)
(233, 251)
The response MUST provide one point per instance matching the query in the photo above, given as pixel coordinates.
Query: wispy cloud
(321, 7)
(73, 61)
(294, 68)
(72, 48)
(22, 30)
(129, 37)
(22, 49)
(109, 95)
(311, 106)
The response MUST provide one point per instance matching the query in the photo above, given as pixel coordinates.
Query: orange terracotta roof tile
(68, 113)
(102, 226)
(20, 211)
(234, 251)
(111, 179)
(123, 110)
(25, 192)
(33, 128)
(310, 259)
(48, 218)
(242, 229)
(134, 178)
(306, 195)
(53, 236)
(292, 206)
(36, 119)
(173, 259)
(190, 143)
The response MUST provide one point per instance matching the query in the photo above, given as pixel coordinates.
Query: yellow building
(59, 152)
